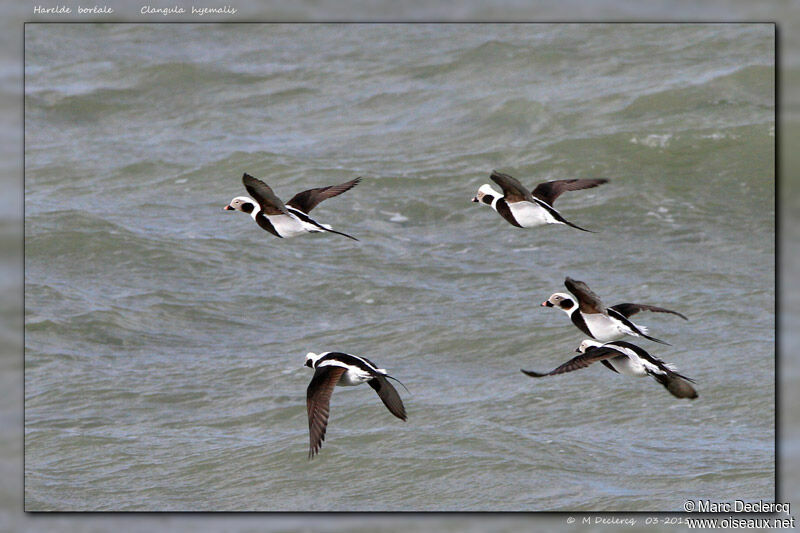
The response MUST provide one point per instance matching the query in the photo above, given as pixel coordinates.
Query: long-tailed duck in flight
(337, 368)
(288, 220)
(591, 316)
(627, 359)
(530, 209)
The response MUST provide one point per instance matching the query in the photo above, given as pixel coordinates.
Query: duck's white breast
(287, 226)
(628, 366)
(604, 328)
(530, 215)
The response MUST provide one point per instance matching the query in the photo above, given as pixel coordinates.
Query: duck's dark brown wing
(592, 355)
(318, 402)
(262, 193)
(628, 309)
(548, 191)
(389, 396)
(588, 301)
(513, 191)
(307, 200)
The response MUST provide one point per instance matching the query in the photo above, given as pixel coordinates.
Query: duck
(286, 220)
(627, 359)
(595, 320)
(341, 369)
(525, 209)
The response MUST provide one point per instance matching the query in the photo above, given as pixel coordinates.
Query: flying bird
(604, 324)
(342, 369)
(291, 219)
(530, 209)
(627, 359)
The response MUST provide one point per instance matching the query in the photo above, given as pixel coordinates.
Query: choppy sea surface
(165, 337)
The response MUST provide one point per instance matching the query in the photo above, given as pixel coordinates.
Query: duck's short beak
(546, 304)
(228, 208)
(475, 199)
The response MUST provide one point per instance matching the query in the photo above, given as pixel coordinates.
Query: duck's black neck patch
(488, 199)
(247, 207)
(566, 303)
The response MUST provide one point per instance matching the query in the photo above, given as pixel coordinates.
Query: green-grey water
(165, 337)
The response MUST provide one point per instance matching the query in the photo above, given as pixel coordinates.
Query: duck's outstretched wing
(262, 193)
(592, 355)
(307, 200)
(389, 396)
(628, 309)
(588, 301)
(513, 191)
(318, 402)
(548, 191)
